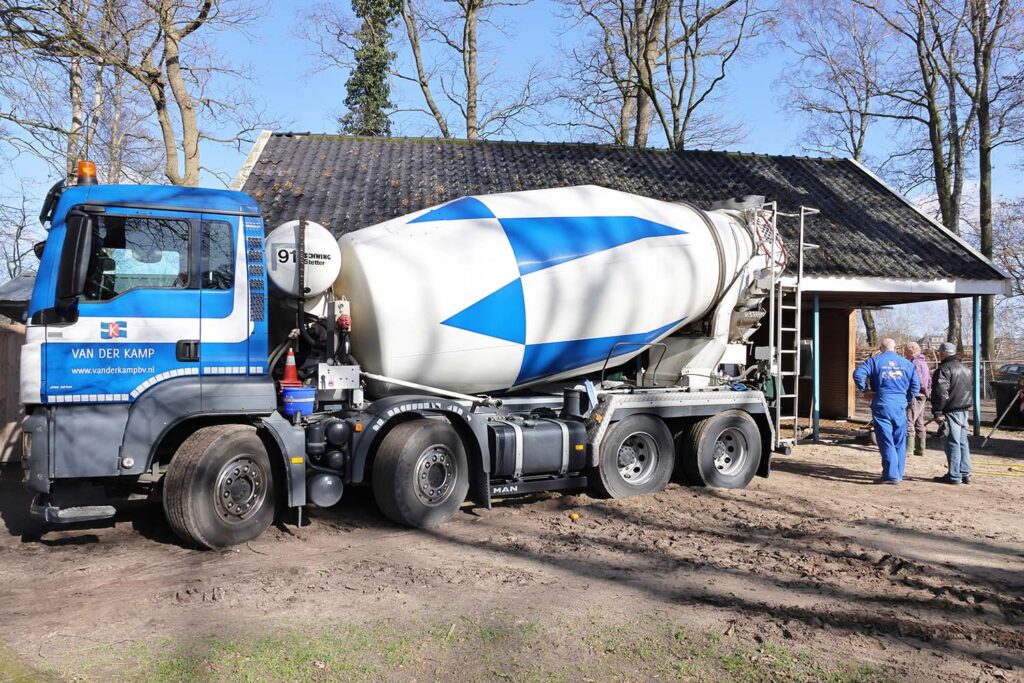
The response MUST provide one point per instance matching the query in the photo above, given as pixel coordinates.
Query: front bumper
(35, 454)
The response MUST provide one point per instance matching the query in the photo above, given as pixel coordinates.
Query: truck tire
(420, 473)
(219, 487)
(637, 456)
(723, 451)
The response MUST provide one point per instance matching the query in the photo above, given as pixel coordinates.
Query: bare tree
(996, 89)
(600, 86)
(1008, 241)
(1008, 252)
(111, 127)
(482, 102)
(18, 233)
(844, 54)
(925, 101)
(150, 42)
(442, 52)
(661, 62)
(44, 93)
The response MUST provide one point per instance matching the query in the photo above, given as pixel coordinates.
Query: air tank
(493, 292)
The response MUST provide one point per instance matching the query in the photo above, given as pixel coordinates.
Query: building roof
(864, 230)
(18, 290)
(14, 296)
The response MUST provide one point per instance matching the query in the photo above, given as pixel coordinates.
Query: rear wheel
(636, 457)
(723, 451)
(420, 473)
(219, 488)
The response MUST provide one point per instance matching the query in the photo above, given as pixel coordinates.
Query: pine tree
(368, 89)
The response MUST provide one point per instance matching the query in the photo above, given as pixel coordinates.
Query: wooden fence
(11, 338)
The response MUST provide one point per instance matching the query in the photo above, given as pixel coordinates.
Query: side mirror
(72, 270)
(74, 258)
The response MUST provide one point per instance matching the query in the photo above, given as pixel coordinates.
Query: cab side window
(218, 263)
(136, 252)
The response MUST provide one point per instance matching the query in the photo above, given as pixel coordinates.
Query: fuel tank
(500, 291)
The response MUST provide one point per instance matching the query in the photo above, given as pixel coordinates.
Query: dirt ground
(813, 574)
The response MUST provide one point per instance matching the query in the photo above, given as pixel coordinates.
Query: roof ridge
(549, 143)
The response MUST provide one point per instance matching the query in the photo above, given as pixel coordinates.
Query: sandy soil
(921, 581)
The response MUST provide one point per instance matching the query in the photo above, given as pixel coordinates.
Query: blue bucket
(298, 400)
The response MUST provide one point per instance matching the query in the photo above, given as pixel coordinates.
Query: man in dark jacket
(952, 398)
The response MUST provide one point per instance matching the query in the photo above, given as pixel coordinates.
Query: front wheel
(723, 451)
(219, 488)
(420, 473)
(636, 456)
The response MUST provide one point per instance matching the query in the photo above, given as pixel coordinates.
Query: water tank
(320, 254)
(499, 291)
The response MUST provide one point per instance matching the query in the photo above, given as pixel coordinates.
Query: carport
(873, 248)
(957, 272)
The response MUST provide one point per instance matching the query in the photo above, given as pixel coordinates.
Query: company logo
(114, 330)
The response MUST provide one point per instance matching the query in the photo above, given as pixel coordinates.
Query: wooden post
(12, 336)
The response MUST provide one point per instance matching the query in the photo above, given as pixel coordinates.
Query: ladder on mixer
(784, 329)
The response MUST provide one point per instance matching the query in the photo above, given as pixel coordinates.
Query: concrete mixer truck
(579, 338)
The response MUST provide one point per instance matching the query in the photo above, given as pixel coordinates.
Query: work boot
(946, 479)
(911, 444)
(919, 445)
(966, 479)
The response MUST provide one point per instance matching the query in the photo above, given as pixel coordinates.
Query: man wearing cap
(952, 398)
(892, 379)
(916, 433)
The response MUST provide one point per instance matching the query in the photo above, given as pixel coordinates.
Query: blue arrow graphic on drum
(501, 314)
(541, 243)
(463, 209)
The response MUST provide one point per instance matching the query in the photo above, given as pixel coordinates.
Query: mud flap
(291, 445)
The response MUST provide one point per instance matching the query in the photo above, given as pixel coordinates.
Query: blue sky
(284, 79)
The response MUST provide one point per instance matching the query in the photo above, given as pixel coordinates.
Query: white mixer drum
(321, 256)
(499, 291)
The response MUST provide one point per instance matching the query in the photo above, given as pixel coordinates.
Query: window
(218, 264)
(130, 252)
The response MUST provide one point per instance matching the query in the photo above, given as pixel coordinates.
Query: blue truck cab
(148, 317)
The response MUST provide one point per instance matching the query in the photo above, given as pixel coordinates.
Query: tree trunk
(643, 119)
(413, 32)
(94, 117)
(469, 65)
(163, 116)
(186, 110)
(626, 113)
(115, 153)
(649, 51)
(77, 114)
(988, 327)
(955, 332)
(869, 327)
(97, 93)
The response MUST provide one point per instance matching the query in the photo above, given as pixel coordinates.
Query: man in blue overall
(892, 379)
